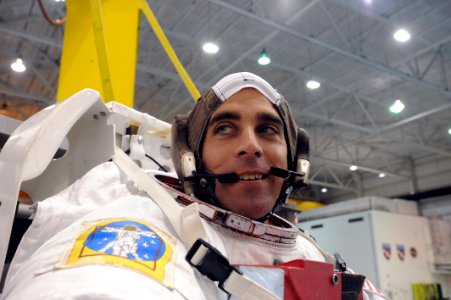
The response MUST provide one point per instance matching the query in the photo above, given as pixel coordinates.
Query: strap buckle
(340, 263)
(210, 262)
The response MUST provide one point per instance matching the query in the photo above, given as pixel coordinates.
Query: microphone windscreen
(275, 171)
(228, 178)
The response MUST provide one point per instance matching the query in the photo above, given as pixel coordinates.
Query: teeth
(251, 177)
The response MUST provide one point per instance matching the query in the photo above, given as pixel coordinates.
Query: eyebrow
(227, 115)
(262, 117)
(268, 117)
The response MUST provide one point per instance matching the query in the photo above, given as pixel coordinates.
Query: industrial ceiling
(345, 45)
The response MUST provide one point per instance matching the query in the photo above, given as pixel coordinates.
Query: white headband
(233, 83)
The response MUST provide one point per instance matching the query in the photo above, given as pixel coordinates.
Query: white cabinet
(392, 250)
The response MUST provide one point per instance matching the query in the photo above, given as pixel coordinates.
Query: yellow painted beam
(303, 205)
(170, 51)
(100, 49)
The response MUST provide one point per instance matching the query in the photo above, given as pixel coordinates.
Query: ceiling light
(353, 168)
(449, 131)
(18, 66)
(210, 48)
(397, 107)
(263, 59)
(313, 85)
(402, 35)
(324, 190)
(381, 175)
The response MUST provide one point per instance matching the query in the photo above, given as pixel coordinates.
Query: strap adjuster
(340, 264)
(212, 264)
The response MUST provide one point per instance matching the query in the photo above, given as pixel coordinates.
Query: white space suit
(103, 239)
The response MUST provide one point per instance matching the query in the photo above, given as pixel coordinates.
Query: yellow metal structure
(102, 53)
(303, 205)
(169, 51)
(100, 49)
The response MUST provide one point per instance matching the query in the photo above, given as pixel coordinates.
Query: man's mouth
(251, 177)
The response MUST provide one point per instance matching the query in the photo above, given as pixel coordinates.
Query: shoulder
(309, 249)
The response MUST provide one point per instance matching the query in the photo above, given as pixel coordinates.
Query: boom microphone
(233, 177)
(274, 171)
(282, 173)
(222, 178)
(228, 178)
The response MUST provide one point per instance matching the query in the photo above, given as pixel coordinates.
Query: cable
(154, 160)
(57, 22)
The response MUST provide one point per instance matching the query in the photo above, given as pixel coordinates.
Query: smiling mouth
(253, 177)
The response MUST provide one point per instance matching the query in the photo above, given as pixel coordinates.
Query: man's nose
(249, 144)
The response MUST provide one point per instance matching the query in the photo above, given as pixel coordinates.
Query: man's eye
(223, 129)
(268, 130)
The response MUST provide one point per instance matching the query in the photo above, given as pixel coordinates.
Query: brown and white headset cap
(188, 130)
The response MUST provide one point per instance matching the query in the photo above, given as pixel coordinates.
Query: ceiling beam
(326, 119)
(347, 165)
(367, 114)
(32, 38)
(359, 9)
(13, 4)
(43, 79)
(417, 117)
(263, 41)
(332, 48)
(36, 99)
(340, 34)
(369, 131)
(331, 185)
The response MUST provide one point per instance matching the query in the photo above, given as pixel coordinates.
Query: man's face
(246, 136)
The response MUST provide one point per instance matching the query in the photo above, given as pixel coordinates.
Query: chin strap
(289, 184)
(188, 225)
(204, 187)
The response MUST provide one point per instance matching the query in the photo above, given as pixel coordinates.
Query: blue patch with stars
(122, 242)
(139, 242)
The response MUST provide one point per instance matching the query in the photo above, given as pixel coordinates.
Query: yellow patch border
(161, 270)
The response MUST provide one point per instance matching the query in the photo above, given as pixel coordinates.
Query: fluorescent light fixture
(353, 168)
(449, 131)
(210, 48)
(263, 59)
(397, 107)
(324, 190)
(381, 175)
(18, 66)
(401, 35)
(313, 85)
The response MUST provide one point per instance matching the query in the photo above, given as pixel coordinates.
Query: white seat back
(27, 156)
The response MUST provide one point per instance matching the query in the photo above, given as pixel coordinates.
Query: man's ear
(182, 155)
(303, 152)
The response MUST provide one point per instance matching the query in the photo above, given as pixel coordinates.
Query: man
(247, 142)
(238, 154)
(244, 127)
(238, 134)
